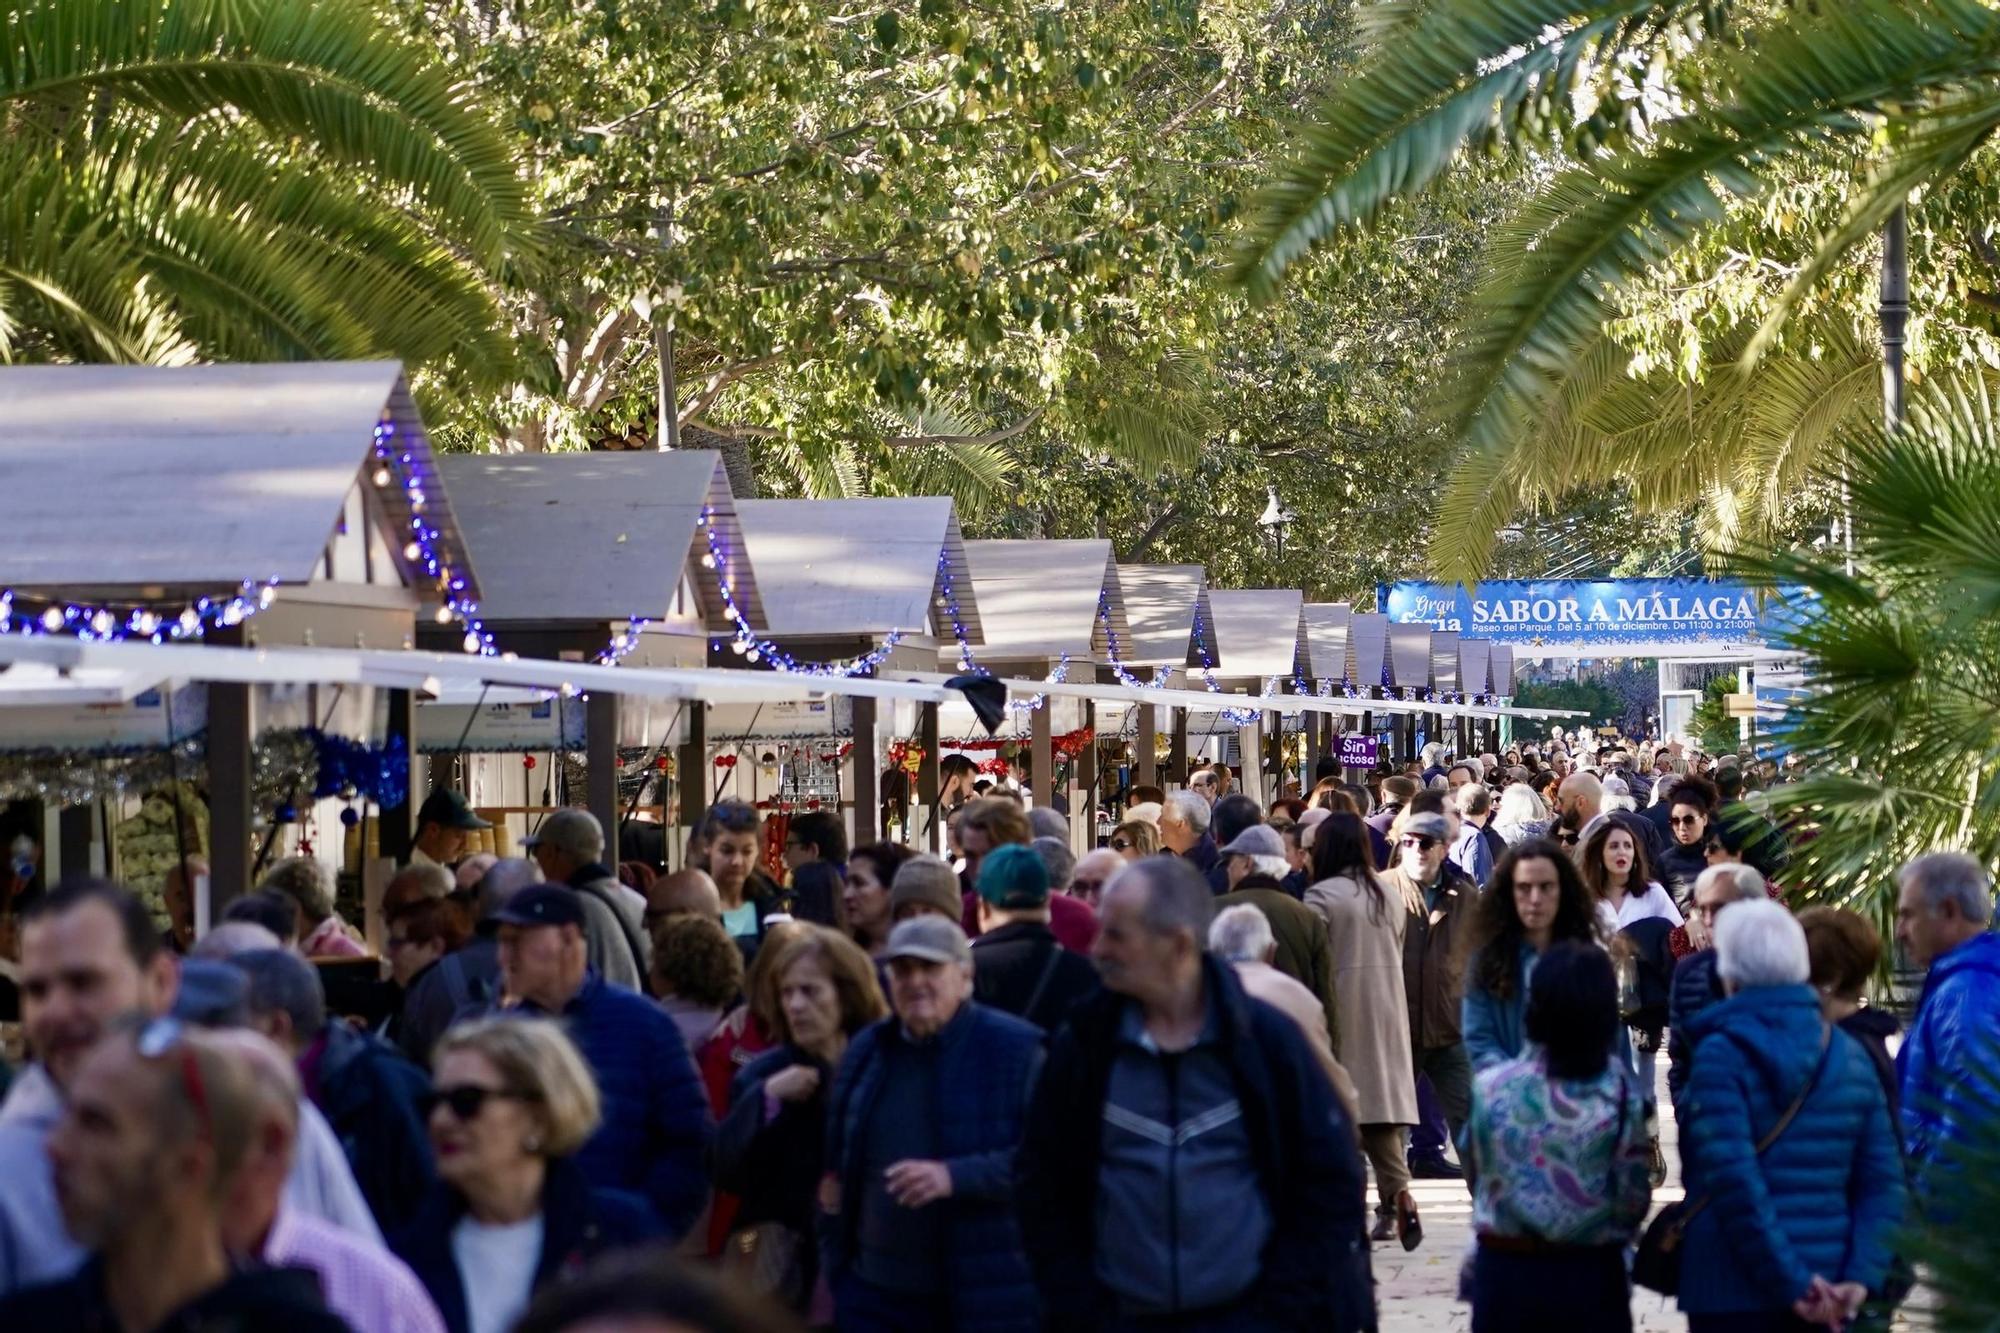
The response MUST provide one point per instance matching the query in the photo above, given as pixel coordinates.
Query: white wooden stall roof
(137, 477)
(1257, 631)
(861, 566)
(1327, 625)
(1163, 604)
(599, 537)
(1039, 599)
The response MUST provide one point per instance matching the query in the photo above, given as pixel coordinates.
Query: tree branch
(1154, 531)
(721, 380)
(988, 437)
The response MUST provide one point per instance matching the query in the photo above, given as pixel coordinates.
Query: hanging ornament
(349, 817)
(286, 813)
(527, 761)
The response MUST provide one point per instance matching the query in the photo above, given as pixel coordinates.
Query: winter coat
(579, 1223)
(1825, 1199)
(1431, 948)
(1315, 1265)
(613, 929)
(773, 1166)
(371, 1097)
(1956, 1029)
(1678, 868)
(1300, 934)
(250, 1300)
(1021, 969)
(987, 1063)
(467, 978)
(1694, 988)
(656, 1125)
(1365, 949)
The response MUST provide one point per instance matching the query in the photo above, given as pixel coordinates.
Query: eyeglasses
(467, 1100)
(160, 1038)
(1080, 887)
(1420, 842)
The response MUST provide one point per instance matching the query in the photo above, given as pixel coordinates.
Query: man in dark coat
(918, 1227)
(1187, 1164)
(1018, 966)
(1695, 986)
(1304, 953)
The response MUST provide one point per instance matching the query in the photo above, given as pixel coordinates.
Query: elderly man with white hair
(1256, 866)
(1944, 915)
(1695, 985)
(1184, 829)
(1241, 937)
(1787, 1136)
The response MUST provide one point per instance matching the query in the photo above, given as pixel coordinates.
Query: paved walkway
(1417, 1292)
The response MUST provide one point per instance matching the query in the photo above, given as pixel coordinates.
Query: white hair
(1148, 811)
(1520, 805)
(1760, 944)
(228, 938)
(1953, 877)
(1277, 867)
(1187, 807)
(1747, 882)
(1473, 799)
(1240, 934)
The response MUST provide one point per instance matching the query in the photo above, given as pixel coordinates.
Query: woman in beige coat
(1364, 922)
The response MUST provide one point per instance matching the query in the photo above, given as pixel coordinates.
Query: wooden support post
(1083, 784)
(1177, 752)
(691, 768)
(929, 784)
(600, 760)
(1312, 737)
(867, 759)
(1042, 753)
(229, 834)
(1145, 767)
(397, 831)
(74, 837)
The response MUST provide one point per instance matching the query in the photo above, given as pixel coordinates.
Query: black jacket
(773, 1167)
(369, 1094)
(250, 1300)
(1315, 1265)
(579, 1223)
(1678, 867)
(1019, 969)
(1649, 942)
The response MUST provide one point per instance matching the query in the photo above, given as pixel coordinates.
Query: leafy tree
(1714, 730)
(1603, 705)
(1665, 131)
(246, 179)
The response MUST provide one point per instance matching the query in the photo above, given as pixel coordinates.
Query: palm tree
(1901, 731)
(1748, 97)
(246, 180)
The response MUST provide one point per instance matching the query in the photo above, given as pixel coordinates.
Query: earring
(532, 1144)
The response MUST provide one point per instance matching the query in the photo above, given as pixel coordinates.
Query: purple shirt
(373, 1290)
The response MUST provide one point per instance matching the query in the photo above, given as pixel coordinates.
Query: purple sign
(1358, 751)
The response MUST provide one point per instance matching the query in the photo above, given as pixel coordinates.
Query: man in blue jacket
(918, 1230)
(1944, 912)
(656, 1123)
(1187, 1164)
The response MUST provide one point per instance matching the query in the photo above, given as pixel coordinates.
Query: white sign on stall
(140, 724)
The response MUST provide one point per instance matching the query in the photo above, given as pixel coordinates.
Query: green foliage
(1603, 704)
(1713, 729)
(1901, 735)
(246, 179)
(1677, 310)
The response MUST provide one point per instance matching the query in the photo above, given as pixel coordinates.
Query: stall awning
(1327, 625)
(861, 567)
(1258, 632)
(1164, 603)
(1040, 600)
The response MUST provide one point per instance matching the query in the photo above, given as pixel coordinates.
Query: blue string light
(1241, 717)
(1056, 677)
(399, 468)
(746, 643)
(109, 624)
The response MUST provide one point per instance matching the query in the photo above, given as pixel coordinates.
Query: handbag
(1657, 1265)
(770, 1259)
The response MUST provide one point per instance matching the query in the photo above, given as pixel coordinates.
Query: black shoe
(1436, 1168)
(1657, 1174)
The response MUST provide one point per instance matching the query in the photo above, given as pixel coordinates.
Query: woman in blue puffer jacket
(1801, 1231)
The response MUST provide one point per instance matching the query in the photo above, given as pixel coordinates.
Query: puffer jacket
(1825, 1199)
(1956, 1030)
(987, 1065)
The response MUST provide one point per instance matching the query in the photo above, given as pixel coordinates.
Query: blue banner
(1586, 612)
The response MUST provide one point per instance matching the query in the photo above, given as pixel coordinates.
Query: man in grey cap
(925, 1115)
(1440, 900)
(1255, 866)
(568, 846)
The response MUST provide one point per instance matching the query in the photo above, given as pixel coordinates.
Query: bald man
(1093, 872)
(687, 892)
(1580, 808)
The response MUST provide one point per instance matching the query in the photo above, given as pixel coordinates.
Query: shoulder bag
(1657, 1265)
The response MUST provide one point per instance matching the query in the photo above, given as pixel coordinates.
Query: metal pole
(1895, 319)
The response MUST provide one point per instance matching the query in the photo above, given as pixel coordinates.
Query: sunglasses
(1080, 887)
(164, 1036)
(1121, 844)
(1684, 821)
(466, 1100)
(1420, 842)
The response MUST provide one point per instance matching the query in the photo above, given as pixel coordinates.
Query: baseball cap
(930, 938)
(1257, 840)
(927, 880)
(1014, 878)
(542, 905)
(448, 809)
(1427, 826)
(576, 832)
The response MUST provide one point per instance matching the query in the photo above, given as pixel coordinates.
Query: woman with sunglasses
(511, 1212)
(1135, 840)
(1690, 816)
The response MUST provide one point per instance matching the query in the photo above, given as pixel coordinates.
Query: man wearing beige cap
(569, 847)
(925, 1115)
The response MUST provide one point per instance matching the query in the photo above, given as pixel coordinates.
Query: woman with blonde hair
(511, 1211)
(1135, 839)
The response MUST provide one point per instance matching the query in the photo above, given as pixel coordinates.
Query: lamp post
(1275, 519)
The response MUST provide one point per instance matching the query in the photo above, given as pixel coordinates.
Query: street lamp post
(1275, 519)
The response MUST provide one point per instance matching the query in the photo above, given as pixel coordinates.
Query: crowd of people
(866, 1088)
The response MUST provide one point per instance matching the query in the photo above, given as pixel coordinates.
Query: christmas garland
(1068, 745)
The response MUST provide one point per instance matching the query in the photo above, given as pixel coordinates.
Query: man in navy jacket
(656, 1122)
